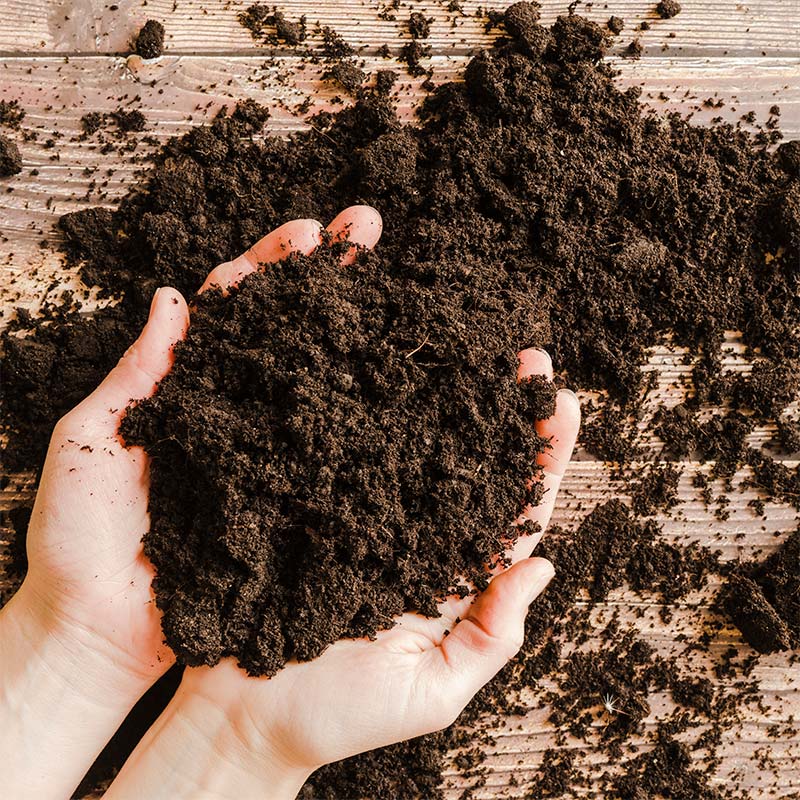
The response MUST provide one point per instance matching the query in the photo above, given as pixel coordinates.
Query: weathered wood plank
(194, 26)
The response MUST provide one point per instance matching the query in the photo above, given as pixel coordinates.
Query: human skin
(81, 640)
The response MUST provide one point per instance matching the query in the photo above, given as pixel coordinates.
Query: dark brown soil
(333, 447)
(624, 226)
(763, 599)
(10, 158)
(347, 76)
(419, 26)
(272, 26)
(11, 114)
(615, 25)
(150, 40)
(667, 9)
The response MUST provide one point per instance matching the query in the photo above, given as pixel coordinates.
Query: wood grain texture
(178, 92)
(719, 27)
(212, 61)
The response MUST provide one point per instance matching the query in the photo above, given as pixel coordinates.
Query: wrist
(77, 659)
(202, 748)
(58, 696)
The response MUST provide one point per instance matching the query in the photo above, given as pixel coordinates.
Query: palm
(357, 695)
(85, 536)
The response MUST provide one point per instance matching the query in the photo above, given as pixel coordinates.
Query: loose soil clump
(10, 158)
(763, 599)
(667, 9)
(150, 40)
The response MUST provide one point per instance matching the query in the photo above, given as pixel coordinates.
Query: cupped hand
(359, 694)
(87, 565)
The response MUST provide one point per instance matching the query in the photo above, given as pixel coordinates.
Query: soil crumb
(10, 158)
(615, 25)
(150, 40)
(763, 599)
(272, 26)
(667, 9)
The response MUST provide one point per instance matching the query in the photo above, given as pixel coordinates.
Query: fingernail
(570, 393)
(539, 583)
(153, 302)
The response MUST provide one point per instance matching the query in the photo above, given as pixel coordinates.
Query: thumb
(493, 630)
(144, 363)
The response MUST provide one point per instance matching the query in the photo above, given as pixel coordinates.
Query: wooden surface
(62, 58)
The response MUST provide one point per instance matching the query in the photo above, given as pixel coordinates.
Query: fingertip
(540, 573)
(295, 236)
(534, 361)
(360, 225)
(169, 308)
(568, 408)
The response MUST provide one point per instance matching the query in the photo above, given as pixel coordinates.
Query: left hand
(81, 640)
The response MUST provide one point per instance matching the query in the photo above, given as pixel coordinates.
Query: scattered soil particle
(11, 113)
(615, 25)
(334, 47)
(419, 26)
(288, 31)
(150, 40)
(129, 120)
(634, 49)
(667, 9)
(10, 158)
(346, 75)
(412, 55)
(272, 26)
(656, 490)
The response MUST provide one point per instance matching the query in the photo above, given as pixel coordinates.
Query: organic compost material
(10, 158)
(334, 446)
(150, 40)
(535, 188)
(763, 599)
(667, 9)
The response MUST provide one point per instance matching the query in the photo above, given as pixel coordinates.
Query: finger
(297, 236)
(562, 431)
(491, 633)
(144, 364)
(360, 225)
(534, 361)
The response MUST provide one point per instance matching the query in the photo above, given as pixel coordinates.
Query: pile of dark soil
(619, 226)
(332, 447)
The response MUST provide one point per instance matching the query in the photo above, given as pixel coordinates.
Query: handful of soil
(333, 446)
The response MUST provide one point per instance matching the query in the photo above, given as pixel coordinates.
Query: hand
(81, 641)
(227, 734)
